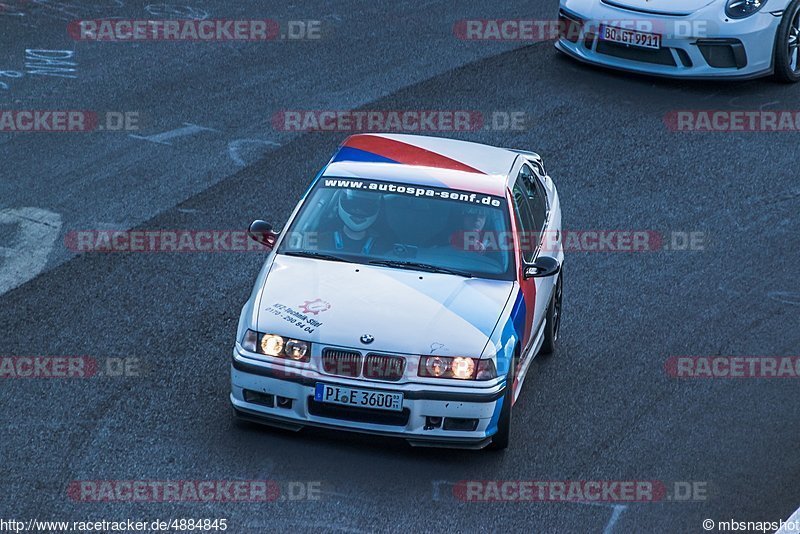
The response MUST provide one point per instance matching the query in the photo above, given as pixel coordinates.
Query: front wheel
(552, 325)
(787, 45)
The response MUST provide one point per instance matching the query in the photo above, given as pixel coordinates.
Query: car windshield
(404, 226)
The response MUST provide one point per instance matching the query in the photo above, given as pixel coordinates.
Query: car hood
(407, 312)
(663, 6)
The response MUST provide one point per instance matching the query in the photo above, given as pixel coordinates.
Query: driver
(358, 211)
(473, 236)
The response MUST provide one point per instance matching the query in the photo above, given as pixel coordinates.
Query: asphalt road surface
(601, 408)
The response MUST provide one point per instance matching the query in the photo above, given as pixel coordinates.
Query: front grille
(588, 39)
(614, 3)
(723, 53)
(683, 55)
(569, 27)
(383, 367)
(658, 57)
(361, 415)
(341, 362)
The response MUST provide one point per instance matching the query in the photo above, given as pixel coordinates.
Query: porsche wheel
(787, 45)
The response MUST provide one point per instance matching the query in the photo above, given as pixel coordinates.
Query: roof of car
(423, 160)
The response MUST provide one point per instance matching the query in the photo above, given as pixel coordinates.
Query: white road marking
(436, 484)
(173, 11)
(162, 138)
(787, 297)
(235, 146)
(36, 237)
(618, 509)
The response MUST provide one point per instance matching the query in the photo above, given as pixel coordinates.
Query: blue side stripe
(519, 315)
(512, 332)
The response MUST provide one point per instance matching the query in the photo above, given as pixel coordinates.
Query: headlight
(277, 346)
(460, 367)
(463, 368)
(740, 9)
(271, 345)
(296, 350)
(435, 366)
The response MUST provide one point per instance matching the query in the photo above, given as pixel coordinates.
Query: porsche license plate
(630, 37)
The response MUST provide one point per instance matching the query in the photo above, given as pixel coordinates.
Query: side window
(525, 222)
(536, 196)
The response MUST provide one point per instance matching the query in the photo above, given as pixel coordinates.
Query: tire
(503, 435)
(787, 53)
(552, 325)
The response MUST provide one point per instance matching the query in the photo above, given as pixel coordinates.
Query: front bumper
(703, 45)
(419, 402)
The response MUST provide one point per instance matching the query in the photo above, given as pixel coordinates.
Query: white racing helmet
(358, 209)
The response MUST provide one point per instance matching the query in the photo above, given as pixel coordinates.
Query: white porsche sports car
(406, 296)
(685, 38)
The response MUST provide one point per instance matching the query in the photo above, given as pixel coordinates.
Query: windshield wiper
(427, 267)
(315, 255)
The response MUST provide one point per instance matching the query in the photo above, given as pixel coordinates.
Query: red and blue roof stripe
(378, 149)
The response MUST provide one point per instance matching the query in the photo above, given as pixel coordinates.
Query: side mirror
(543, 267)
(261, 231)
(538, 166)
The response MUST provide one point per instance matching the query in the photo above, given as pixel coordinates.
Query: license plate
(630, 37)
(361, 398)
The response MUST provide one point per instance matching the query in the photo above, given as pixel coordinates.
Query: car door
(531, 210)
